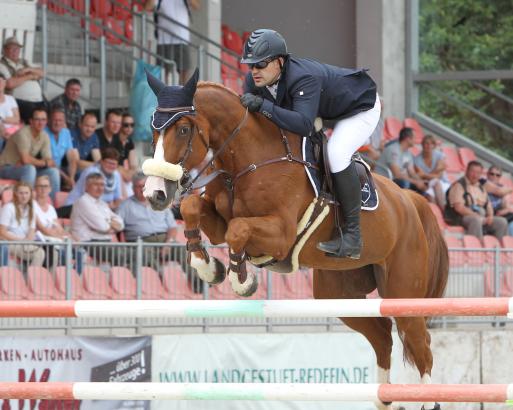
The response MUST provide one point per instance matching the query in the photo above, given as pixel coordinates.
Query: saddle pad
(370, 198)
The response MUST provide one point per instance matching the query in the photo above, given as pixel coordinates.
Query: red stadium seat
(123, 283)
(452, 159)
(151, 286)
(491, 242)
(392, 128)
(418, 134)
(95, 282)
(473, 257)
(121, 10)
(116, 26)
(230, 69)
(12, 284)
(60, 199)
(77, 289)
(232, 40)
(456, 257)
(41, 283)
(466, 155)
(176, 283)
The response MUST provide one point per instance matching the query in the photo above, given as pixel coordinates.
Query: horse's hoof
(213, 272)
(220, 272)
(247, 288)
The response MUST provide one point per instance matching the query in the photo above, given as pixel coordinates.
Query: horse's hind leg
(198, 213)
(377, 330)
(416, 340)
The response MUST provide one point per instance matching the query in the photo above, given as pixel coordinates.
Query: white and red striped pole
(259, 308)
(486, 393)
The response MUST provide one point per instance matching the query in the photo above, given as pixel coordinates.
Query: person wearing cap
(22, 79)
(292, 92)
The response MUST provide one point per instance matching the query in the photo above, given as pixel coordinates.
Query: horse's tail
(438, 256)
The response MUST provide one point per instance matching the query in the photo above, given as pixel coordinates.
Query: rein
(230, 180)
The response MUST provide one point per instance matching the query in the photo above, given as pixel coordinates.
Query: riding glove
(252, 102)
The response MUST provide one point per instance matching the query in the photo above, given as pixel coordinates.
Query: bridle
(200, 181)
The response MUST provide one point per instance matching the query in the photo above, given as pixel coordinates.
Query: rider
(292, 92)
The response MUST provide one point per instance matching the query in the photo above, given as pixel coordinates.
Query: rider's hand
(251, 101)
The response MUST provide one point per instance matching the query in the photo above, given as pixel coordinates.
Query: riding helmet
(263, 44)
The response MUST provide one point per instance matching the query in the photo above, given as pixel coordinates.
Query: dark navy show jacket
(309, 89)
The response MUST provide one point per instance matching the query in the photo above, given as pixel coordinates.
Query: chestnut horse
(404, 254)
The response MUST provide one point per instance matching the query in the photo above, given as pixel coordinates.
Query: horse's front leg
(268, 235)
(198, 213)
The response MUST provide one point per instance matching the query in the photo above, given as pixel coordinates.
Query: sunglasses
(128, 124)
(494, 174)
(260, 64)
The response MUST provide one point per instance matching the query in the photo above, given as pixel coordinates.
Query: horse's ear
(155, 84)
(190, 86)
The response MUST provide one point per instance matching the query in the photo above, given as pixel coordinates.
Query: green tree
(460, 35)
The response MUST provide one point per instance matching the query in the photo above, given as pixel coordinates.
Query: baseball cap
(12, 40)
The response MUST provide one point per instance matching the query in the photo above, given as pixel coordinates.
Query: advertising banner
(74, 359)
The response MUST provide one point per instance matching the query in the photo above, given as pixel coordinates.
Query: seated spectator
(497, 194)
(9, 113)
(399, 159)
(28, 154)
(22, 79)
(47, 222)
(86, 142)
(468, 205)
(430, 166)
(127, 160)
(92, 220)
(111, 192)
(18, 223)
(141, 221)
(108, 135)
(68, 101)
(62, 147)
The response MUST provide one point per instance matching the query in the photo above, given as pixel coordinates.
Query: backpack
(450, 215)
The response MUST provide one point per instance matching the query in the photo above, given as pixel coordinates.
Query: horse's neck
(256, 141)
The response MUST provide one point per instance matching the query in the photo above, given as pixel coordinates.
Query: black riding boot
(348, 192)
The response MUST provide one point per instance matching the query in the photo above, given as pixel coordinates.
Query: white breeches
(350, 134)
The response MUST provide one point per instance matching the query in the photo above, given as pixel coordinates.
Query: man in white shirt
(22, 79)
(91, 217)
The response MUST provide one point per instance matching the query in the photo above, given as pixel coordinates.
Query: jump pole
(259, 308)
(482, 393)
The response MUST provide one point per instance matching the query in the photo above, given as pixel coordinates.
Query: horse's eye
(184, 131)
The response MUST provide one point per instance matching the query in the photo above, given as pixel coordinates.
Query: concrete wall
(363, 33)
(323, 30)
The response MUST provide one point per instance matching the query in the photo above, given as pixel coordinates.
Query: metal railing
(139, 270)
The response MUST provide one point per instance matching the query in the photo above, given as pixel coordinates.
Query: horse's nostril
(160, 195)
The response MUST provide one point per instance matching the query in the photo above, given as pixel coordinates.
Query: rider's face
(268, 75)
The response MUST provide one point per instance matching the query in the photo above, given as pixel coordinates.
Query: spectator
(108, 135)
(172, 38)
(68, 101)
(18, 223)
(49, 229)
(86, 142)
(111, 192)
(497, 193)
(468, 205)
(127, 160)
(92, 220)
(9, 113)
(22, 79)
(28, 154)
(63, 154)
(430, 166)
(47, 222)
(141, 221)
(399, 159)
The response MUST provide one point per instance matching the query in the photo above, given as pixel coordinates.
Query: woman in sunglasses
(128, 159)
(292, 92)
(498, 194)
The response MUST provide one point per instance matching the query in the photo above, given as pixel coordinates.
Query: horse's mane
(216, 85)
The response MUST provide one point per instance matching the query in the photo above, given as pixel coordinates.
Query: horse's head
(175, 136)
